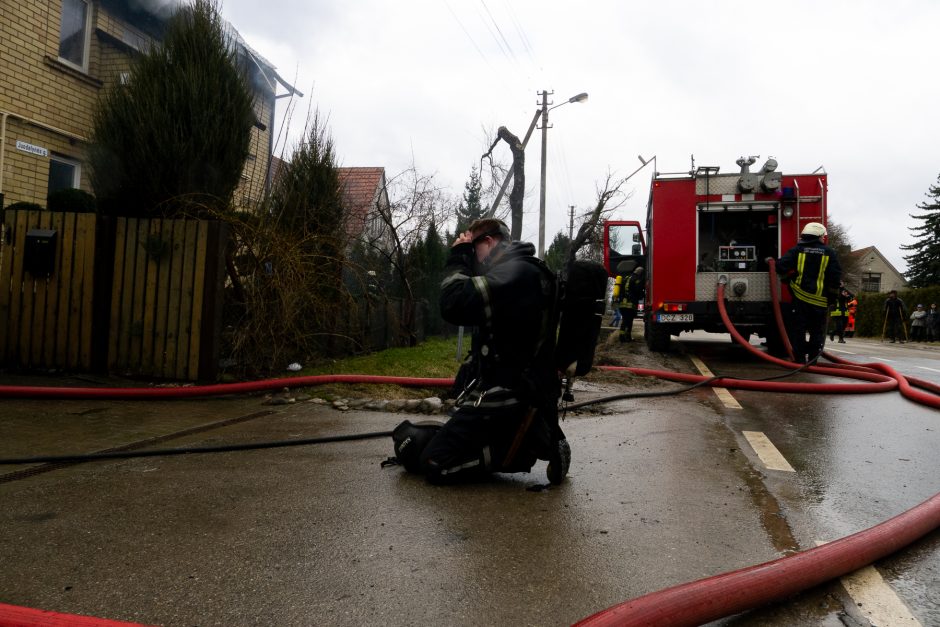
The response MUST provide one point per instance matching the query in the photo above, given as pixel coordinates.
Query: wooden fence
(133, 296)
(48, 321)
(165, 308)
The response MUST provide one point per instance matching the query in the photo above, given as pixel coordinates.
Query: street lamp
(545, 109)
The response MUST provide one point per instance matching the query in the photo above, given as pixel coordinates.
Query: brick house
(55, 58)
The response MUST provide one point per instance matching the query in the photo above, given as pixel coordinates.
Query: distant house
(867, 270)
(55, 60)
(365, 196)
(365, 199)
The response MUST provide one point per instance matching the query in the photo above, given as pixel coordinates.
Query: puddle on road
(772, 516)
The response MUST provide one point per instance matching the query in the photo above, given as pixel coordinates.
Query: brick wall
(58, 100)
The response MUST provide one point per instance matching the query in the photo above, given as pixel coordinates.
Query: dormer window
(74, 34)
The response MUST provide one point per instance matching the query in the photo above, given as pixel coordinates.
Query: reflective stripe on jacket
(813, 271)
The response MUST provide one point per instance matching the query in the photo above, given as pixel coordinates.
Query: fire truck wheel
(657, 337)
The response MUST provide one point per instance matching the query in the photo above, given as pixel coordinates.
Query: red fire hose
(691, 603)
(712, 598)
(705, 600)
(219, 389)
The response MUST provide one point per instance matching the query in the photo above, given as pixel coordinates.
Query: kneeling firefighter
(506, 416)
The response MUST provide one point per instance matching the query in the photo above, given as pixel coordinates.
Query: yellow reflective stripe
(822, 274)
(812, 299)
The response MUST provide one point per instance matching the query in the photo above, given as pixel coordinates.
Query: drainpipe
(3, 149)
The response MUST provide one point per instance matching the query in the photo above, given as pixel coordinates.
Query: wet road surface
(661, 491)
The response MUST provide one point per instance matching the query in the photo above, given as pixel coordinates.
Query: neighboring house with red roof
(365, 195)
(867, 270)
(365, 198)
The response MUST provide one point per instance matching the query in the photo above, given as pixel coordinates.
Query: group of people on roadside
(925, 322)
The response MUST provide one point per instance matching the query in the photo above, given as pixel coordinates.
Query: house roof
(862, 253)
(361, 186)
(152, 15)
(362, 189)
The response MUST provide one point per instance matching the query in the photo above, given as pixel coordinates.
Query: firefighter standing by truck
(628, 293)
(813, 272)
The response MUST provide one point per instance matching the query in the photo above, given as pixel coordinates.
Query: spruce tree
(557, 253)
(176, 136)
(924, 261)
(470, 208)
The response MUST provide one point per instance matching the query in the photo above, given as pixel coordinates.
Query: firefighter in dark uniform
(813, 272)
(629, 295)
(839, 315)
(506, 417)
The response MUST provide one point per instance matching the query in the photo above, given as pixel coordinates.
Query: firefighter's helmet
(814, 229)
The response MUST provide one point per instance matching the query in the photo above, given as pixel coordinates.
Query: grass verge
(435, 357)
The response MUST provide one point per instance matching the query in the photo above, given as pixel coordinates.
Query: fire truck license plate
(683, 317)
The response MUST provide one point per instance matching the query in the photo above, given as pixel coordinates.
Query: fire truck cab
(703, 226)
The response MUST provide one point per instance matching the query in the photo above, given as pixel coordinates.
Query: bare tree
(591, 232)
(415, 202)
(518, 177)
(839, 240)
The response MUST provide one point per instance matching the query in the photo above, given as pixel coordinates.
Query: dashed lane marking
(767, 452)
(876, 599)
(722, 393)
(930, 369)
(882, 359)
(837, 350)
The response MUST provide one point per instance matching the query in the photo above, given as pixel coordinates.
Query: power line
(498, 30)
(467, 33)
(520, 31)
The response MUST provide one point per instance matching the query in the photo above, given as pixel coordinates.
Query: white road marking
(767, 452)
(876, 599)
(930, 369)
(883, 359)
(836, 350)
(722, 393)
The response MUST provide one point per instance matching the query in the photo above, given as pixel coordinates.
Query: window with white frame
(871, 281)
(74, 34)
(64, 173)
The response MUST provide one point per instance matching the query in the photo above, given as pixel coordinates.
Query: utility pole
(570, 222)
(542, 186)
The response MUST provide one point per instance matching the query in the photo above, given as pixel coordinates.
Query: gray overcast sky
(846, 85)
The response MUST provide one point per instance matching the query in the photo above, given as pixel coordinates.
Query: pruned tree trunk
(518, 178)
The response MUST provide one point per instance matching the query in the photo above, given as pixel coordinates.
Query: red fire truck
(703, 225)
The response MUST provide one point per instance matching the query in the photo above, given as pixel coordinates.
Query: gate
(134, 296)
(46, 320)
(165, 298)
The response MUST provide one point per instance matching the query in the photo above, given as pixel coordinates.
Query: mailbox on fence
(39, 252)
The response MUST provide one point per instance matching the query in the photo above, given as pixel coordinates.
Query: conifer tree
(176, 136)
(470, 208)
(924, 261)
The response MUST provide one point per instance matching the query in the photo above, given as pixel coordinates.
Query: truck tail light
(674, 307)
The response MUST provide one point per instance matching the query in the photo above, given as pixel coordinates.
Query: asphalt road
(661, 491)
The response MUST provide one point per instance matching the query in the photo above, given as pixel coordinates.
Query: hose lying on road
(218, 389)
(167, 452)
(729, 593)
(709, 599)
